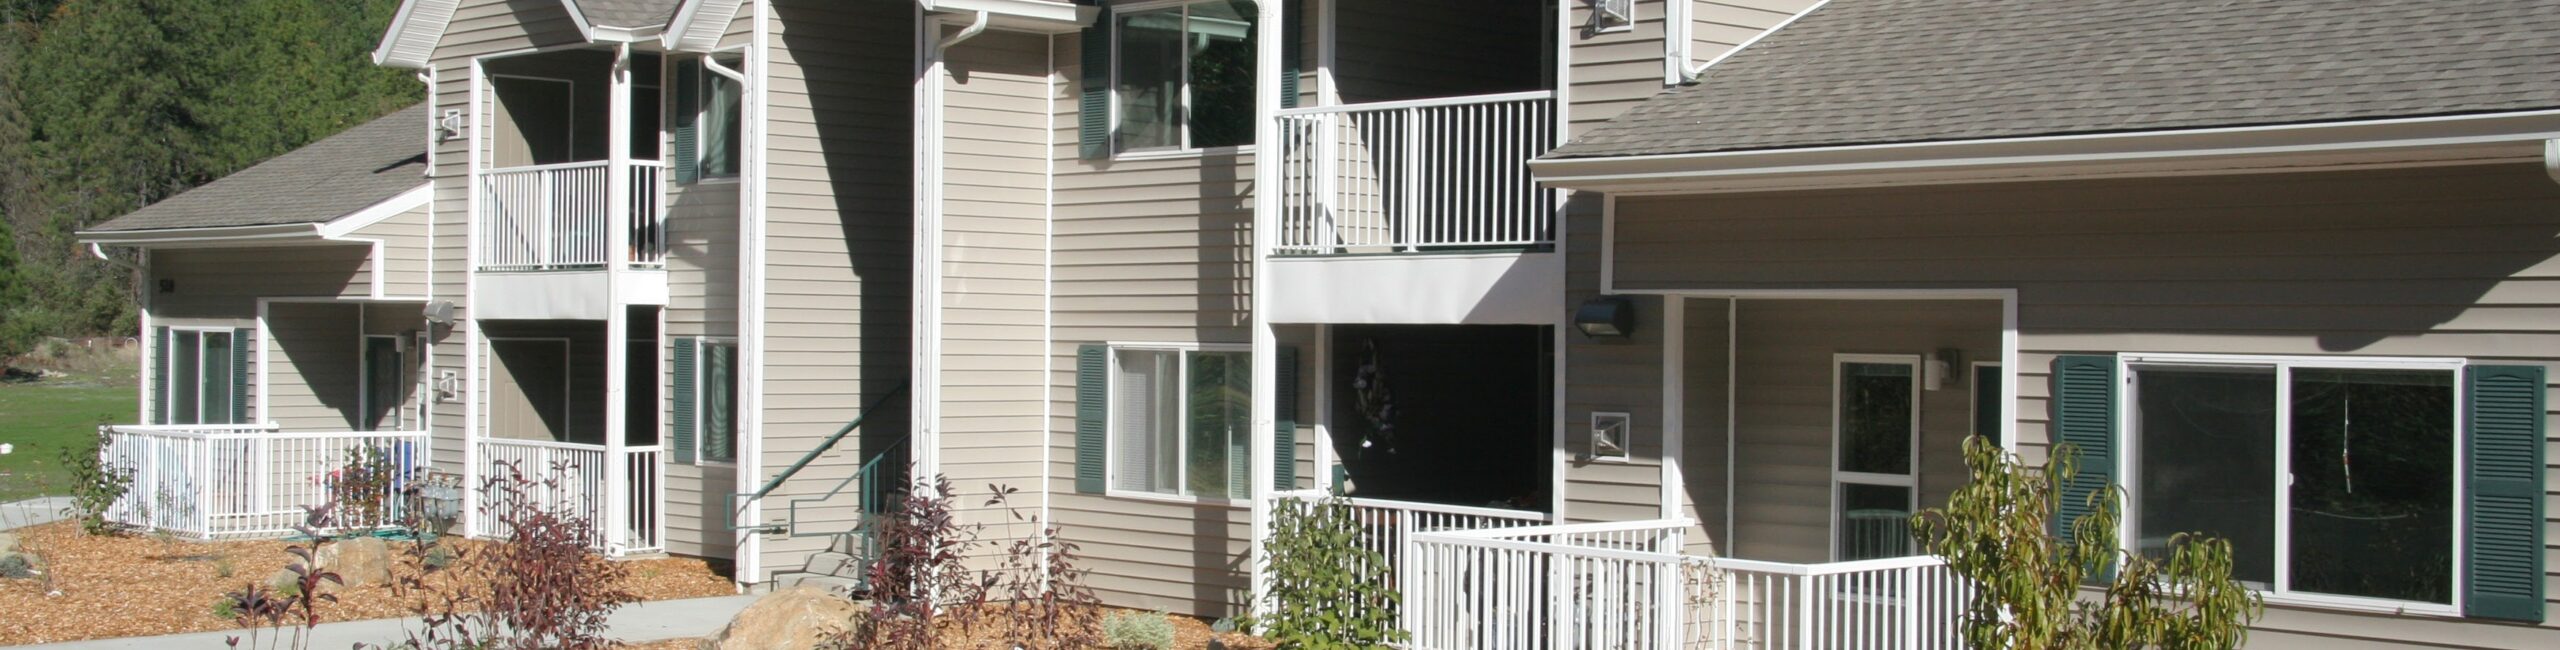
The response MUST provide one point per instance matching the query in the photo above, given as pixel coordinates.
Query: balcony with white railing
(256, 481)
(1418, 212)
(562, 217)
(570, 479)
(1445, 174)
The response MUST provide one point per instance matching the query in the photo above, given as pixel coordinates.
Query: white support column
(617, 317)
(1266, 205)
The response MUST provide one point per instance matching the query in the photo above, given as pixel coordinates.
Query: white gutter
(289, 231)
(2442, 139)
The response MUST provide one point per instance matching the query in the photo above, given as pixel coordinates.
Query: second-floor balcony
(562, 216)
(1446, 175)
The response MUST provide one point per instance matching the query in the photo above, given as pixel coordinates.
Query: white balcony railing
(569, 479)
(1416, 175)
(555, 216)
(251, 481)
(1391, 525)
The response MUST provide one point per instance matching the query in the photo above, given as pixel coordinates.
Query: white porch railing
(1408, 175)
(1897, 603)
(1391, 525)
(1610, 585)
(569, 479)
(555, 216)
(252, 480)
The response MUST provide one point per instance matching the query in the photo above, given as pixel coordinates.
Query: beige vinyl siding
(478, 28)
(403, 258)
(702, 301)
(227, 282)
(1609, 72)
(1785, 399)
(312, 376)
(1154, 251)
(1704, 379)
(997, 95)
(1716, 26)
(838, 224)
(2440, 262)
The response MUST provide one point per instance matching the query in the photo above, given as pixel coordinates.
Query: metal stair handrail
(737, 501)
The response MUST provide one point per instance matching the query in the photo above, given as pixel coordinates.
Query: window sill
(1176, 499)
(1181, 154)
(2364, 605)
(708, 180)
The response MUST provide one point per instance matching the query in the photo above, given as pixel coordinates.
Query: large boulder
(797, 618)
(358, 560)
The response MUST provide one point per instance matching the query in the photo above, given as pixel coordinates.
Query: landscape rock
(358, 560)
(798, 618)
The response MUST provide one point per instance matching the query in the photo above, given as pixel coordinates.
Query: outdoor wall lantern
(1606, 316)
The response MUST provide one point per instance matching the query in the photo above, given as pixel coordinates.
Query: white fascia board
(411, 39)
(595, 33)
(351, 222)
(205, 237)
(698, 25)
(2460, 139)
(586, 30)
(1039, 16)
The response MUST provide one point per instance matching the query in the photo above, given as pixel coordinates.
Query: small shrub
(2030, 586)
(226, 609)
(16, 567)
(542, 587)
(222, 567)
(294, 608)
(1137, 631)
(922, 583)
(362, 487)
(95, 484)
(1327, 590)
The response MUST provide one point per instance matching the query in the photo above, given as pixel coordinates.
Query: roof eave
(1038, 16)
(410, 41)
(698, 25)
(338, 228)
(2455, 139)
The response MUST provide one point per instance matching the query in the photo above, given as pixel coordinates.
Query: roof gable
(411, 40)
(1862, 72)
(341, 175)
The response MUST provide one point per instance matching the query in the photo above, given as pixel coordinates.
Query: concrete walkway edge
(650, 621)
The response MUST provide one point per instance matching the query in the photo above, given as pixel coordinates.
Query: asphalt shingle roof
(1895, 71)
(325, 180)
(628, 13)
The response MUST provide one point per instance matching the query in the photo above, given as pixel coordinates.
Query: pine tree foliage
(109, 105)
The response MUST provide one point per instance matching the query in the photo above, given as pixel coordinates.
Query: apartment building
(736, 270)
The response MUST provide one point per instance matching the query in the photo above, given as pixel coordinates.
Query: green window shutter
(2084, 416)
(681, 421)
(1093, 379)
(1093, 106)
(1284, 456)
(688, 75)
(240, 342)
(2503, 542)
(160, 342)
(1292, 44)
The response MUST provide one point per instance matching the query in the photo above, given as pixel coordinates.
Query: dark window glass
(1875, 521)
(1875, 418)
(2372, 508)
(2207, 457)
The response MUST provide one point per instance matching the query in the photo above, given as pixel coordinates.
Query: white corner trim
(2551, 159)
(411, 39)
(1754, 40)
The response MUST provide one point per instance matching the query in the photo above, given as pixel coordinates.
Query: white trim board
(2454, 140)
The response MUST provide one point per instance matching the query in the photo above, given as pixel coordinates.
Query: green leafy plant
(364, 487)
(1327, 590)
(1137, 631)
(2031, 587)
(95, 484)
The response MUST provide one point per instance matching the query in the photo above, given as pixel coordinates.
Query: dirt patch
(139, 586)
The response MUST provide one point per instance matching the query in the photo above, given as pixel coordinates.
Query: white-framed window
(2335, 479)
(1178, 417)
(203, 376)
(1183, 75)
(715, 400)
(1875, 460)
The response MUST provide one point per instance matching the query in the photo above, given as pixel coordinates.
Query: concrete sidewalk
(651, 621)
(39, 510)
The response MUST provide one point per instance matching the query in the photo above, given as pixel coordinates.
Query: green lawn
(42, 418)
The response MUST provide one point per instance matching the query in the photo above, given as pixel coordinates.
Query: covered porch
(1795, 435)
(544, 419)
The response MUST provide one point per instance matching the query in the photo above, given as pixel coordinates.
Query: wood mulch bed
(119, 586)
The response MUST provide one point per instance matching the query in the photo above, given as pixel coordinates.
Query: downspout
(976, 26)
(2551, 159)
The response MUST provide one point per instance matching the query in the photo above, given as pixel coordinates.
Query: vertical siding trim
(2503, 541)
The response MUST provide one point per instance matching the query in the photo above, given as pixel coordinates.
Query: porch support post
(617, 317)
(1666, 583)
(1266, 204)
